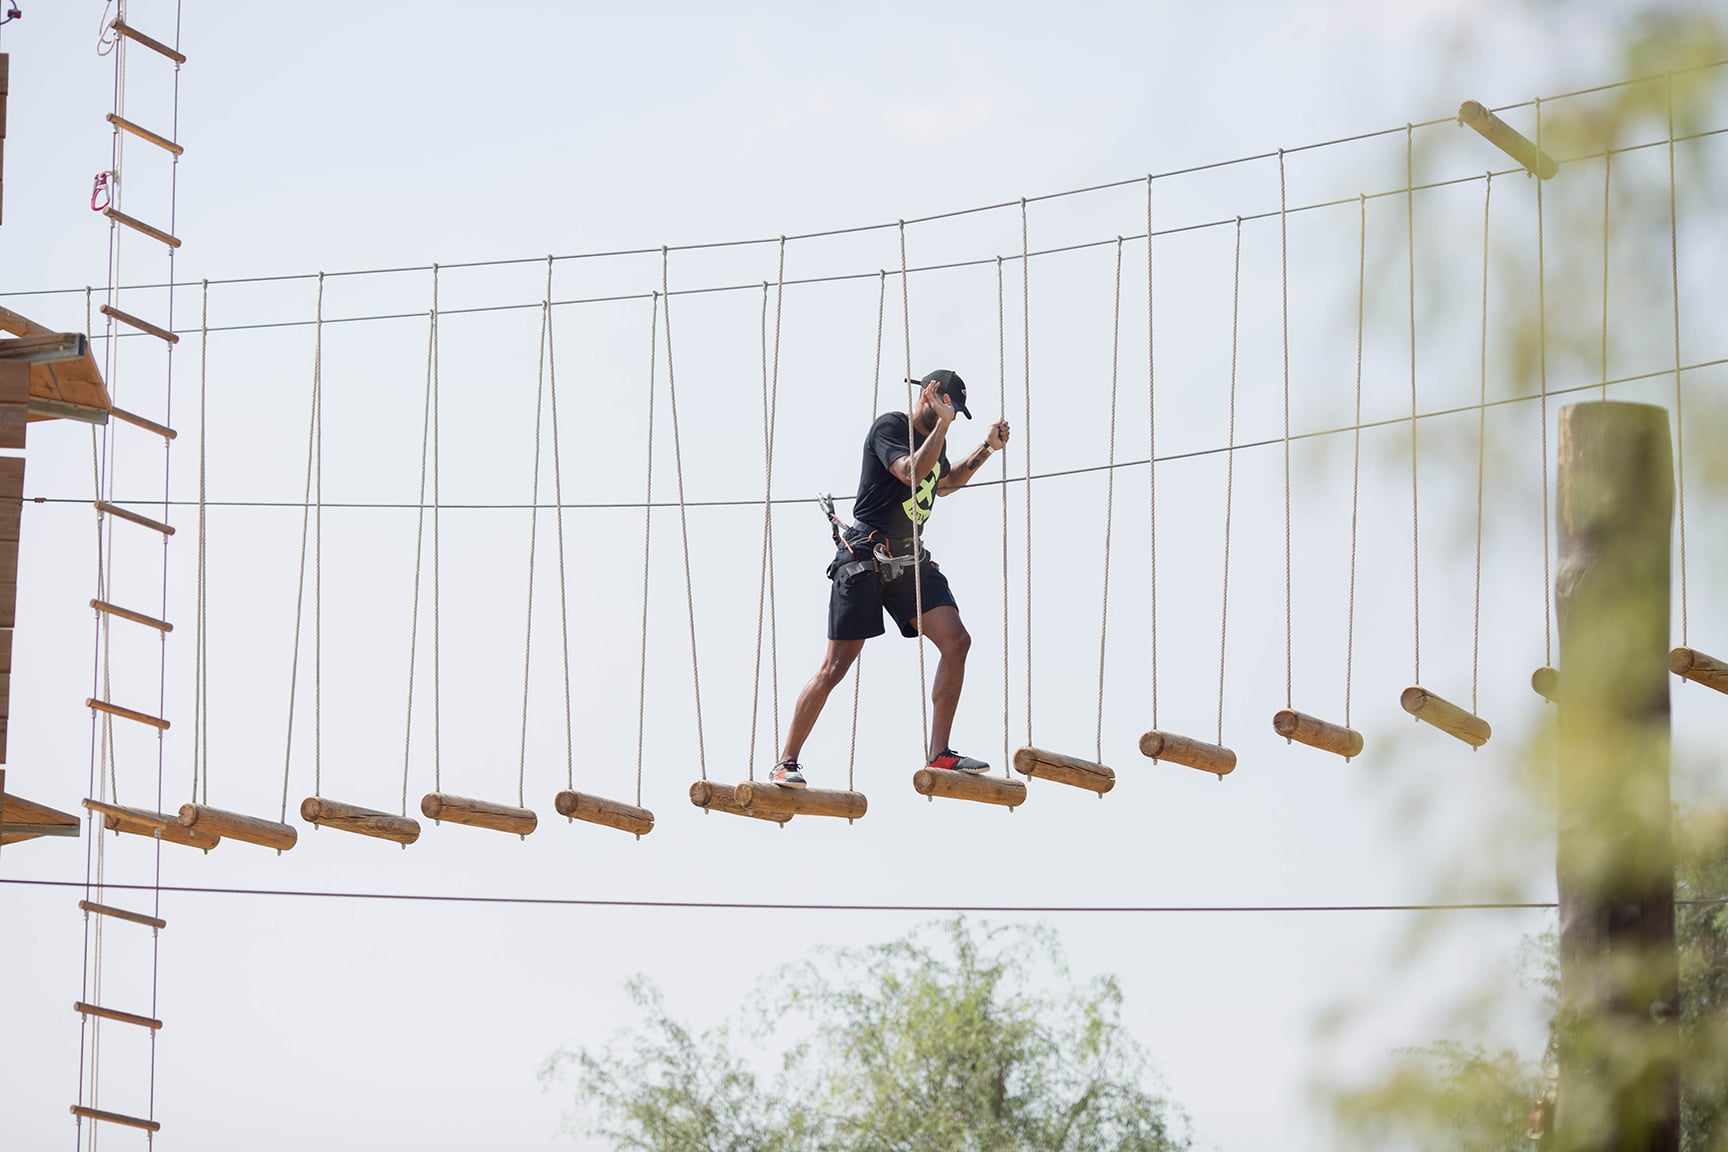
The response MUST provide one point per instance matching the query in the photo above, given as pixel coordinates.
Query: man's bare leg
(839, 658)
(943, 628)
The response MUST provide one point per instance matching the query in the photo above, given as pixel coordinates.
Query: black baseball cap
(950, 387)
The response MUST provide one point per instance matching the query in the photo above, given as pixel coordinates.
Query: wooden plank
(138, 421)
(715, 797)
(1185, 750)
(756, 796)
(134, 517)
(1508, 139)
(143, 325)
(327, 813)
(127, 614)
(1001, 790)
(155, 825)
(1445, 715)
(128, 713)
(14, 398)
(137, 37)
(122, 914)
(235, 826)
(115, 1118)
(11, 495)
(8, 583)
(17, 812)
(442, 806)
(1317, 733)
(142, 228)
(145, 134)
(1047, 765)
(599, 810)
(116, 1015)
(1691, 664)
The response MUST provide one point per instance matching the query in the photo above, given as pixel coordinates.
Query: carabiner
(100, 191)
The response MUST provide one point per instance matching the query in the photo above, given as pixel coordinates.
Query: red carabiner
(100, 192)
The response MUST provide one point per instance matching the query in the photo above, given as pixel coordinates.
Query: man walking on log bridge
(873, 568)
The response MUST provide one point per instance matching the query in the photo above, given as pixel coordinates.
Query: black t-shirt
(884, 505)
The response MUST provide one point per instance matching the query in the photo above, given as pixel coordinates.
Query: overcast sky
(346, 138)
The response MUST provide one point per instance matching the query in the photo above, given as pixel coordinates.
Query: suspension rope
(875, 400)
(563, 580)
(1679, 404)
(200, 641)
(300, 583)
(1229, 475)
(533, 541)
(765, 588)
(1026, 442)
(1356, 453)
(1607, 177)
(1151, 454)
(437, 581)
(1284, 313)
(1002, 406)
(683, 521)
(1481, 455)
(1415, 503)
(1109, 496)
(318, 549)
(1542, 380)
(420, 533)
(912, 486)
(647, 547)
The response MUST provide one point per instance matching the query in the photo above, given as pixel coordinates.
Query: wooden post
(1619, 997)
(756, 796)
(1043, 764)
(599, 810)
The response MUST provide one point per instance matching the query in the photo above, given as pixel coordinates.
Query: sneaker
(954, 762)
(787, 775)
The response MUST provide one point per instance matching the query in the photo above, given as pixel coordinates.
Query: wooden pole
(711, 796)
(478, 813)
(235, 826)
(327, 813)
(1445, 715)
(1691, 664)
(1001, 790)
(1213, 758)
(1317, 733)
(757, 797)
(599, 810)
(1619, 996)
(1043, 764)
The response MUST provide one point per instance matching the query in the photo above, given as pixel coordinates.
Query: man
(872, 571)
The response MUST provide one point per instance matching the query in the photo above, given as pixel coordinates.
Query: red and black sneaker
(787, 775)
(952, 761)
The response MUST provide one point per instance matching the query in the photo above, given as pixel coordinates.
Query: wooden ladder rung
(127, 614)
(151, 825)
(137, 37)
(116, 1015)
(115, 1118)
(138, 421)
(122, 914)
(134, 518)
(138, 225)
(127, 713)
(142, 325)
(144, 133)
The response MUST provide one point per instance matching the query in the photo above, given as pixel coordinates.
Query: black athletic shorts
(856, 601)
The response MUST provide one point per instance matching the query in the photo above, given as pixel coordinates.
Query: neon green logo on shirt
(917, 508)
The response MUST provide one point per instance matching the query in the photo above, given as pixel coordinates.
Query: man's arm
(960, 473)
(904, 468)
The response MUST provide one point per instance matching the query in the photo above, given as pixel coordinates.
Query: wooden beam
(11, 496)
(1545, 682)
(127, 614)
(711, 796)
(155, 825)
(122, 914)
(128, 714)
(1508, 139)
(442, 806)
(1618, 1019)
(756, 796)
(326, 813)
(1316, 733)
(137, 37)
(40, 408)
(1213, 758)
(115, 1118)
(1445, 715)
(1043, 764)
(1001, 790)
(134, 518)
(234, 826)
(609, 813)
(139, 226)
(145, 134)
(14, 402)
(116, 1015)
(1691, 664)
(142, 325)
(138, 421)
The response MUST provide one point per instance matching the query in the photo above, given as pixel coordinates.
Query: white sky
(320, 137)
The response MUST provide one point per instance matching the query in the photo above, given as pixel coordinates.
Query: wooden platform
(65, 381)
(22, 819)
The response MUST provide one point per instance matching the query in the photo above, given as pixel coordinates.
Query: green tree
(974, 1039)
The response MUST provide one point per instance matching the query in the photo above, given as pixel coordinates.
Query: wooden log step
(137, 37)
(127, 713)
(139, 226)
(1508, 139)
(122, 914)
(235, 826)
(953, 785)
(145, 134)
(1546, 682)
(127, 614)
(138, 421)
(1046, 765)
(1316, 733)
(1691, 664)
(115, 1118)
(478, 813)
(757, 796)
(361, 821)
(598, 810)
(713, 797)
(1445, 715)
(132, 517)
(154, 825)
(1213, 758)
(116, 1015)
(126, 317)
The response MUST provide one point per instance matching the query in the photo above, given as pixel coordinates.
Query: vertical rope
(1284, 313)
(1481, 452)
(767, 505)
(1002, 406)
(318, 543)
(305, 534)
(563, 580)
(1679, 404)
(1356, 449)
(647, 545)
(1415, 504)
(768, 501)
(1109, 495)
(912, 485)
(200, 640)
(1607, 176)
(437, 566)
(419, 533)
(683, 518)
(533, 539)
(1542, 379)
(1152, 454)
(1229, 474)
(1026, 450)
(875, 399)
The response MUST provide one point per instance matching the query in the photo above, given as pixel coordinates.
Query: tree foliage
(962, 1038)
